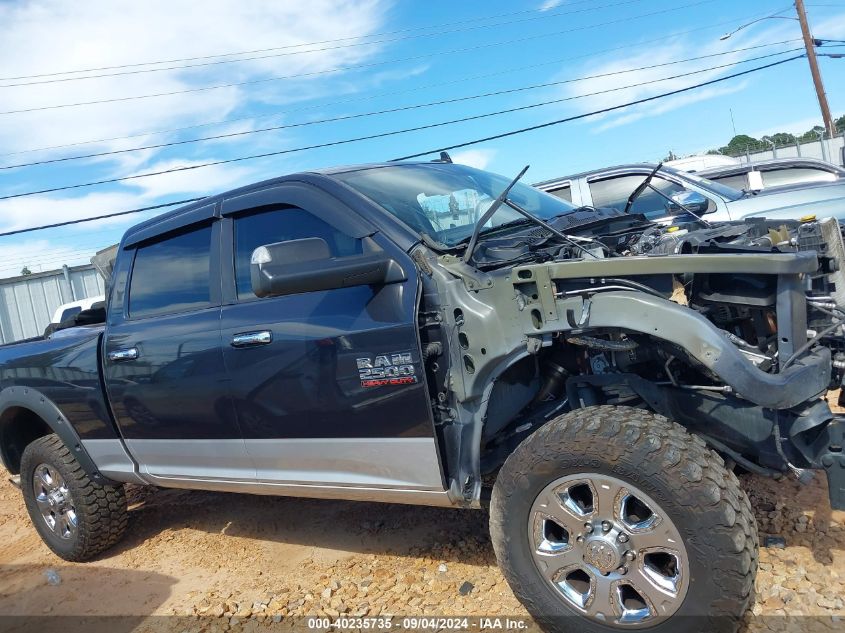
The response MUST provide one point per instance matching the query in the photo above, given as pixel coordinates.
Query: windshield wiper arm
(646, 184)
(563, 236)
(641, 187)
(473, 242)
(680, 204)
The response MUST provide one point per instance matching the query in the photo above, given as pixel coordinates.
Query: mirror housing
(692, 200)
(306, 265)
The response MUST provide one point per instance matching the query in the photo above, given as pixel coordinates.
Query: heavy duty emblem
(387, 369)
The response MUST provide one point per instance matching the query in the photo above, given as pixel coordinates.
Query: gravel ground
(245, 561)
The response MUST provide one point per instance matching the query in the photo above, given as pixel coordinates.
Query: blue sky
(539, 42)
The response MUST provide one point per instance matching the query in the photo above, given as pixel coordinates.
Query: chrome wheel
(54, 501)
(608, 550)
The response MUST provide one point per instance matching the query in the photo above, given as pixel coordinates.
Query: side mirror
(691, 200)
(306, 265)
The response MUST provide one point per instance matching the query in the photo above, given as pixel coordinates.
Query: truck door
(163, 361)
(310, 371)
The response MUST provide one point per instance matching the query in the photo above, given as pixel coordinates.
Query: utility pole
(814, 68)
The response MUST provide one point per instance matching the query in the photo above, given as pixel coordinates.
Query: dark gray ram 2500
(424, 332)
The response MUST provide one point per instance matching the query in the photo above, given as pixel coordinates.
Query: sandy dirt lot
(232, 561)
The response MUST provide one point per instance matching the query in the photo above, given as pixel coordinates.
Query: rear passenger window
(738, 181)
(564, 193)
(282, 225)
(795, 175)
(172, 275)
(614, 192)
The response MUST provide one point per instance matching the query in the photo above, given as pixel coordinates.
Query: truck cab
(214, 386)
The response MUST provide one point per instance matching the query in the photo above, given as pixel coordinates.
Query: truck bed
(66, 370)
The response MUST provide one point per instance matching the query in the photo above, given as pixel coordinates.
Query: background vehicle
(611, 187)
(774, 173)
(68, 310)
(703, 161)
(417, 332)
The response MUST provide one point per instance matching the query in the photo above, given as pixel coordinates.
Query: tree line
(742, 143)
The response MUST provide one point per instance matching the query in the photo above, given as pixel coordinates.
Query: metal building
(27, 303)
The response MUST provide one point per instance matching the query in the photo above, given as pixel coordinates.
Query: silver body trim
(203, 459)
(397, 470)
(380, 462)
(112, 460)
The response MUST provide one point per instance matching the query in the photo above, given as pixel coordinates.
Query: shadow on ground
(351, 526)
(90, 598)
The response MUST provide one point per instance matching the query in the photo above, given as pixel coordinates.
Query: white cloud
(47, 209)
(52, 35)
(671, 103)
(831, 28)
(478, 158)
(652, 79)
(208, 180)
(548, 5)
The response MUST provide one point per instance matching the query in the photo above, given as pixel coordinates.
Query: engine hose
(602, 344)
(812, 343)
(733, 338)
(636, 286)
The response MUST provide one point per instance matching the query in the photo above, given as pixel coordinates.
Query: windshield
(445, 201)
(729, 193)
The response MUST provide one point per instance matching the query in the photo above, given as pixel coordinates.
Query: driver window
(268, 226)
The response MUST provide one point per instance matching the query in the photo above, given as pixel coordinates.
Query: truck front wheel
(76, 517)
(618, 518)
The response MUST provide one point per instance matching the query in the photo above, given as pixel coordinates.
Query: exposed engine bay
(734, 330)
(743, 305)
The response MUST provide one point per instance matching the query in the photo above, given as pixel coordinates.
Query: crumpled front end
(733, 330)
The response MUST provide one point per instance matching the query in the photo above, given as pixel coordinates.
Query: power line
(346, 68)
(284, 47)
(464, 144)
(55, 255)
(418, 128)
(438, 33)
(64, 258)
(371, 96)
(98, 217)
(602, 111)
(400, 108)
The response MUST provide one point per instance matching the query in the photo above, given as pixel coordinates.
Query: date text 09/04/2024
(412, 623)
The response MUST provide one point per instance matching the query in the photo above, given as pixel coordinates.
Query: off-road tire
(688, 480)
(101, 510)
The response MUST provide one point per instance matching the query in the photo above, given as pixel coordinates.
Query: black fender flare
(35, 401)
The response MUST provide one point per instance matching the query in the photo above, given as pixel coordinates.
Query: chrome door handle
(251, 339)
(130, 353)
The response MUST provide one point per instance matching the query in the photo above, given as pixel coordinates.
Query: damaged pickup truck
(429, 333)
